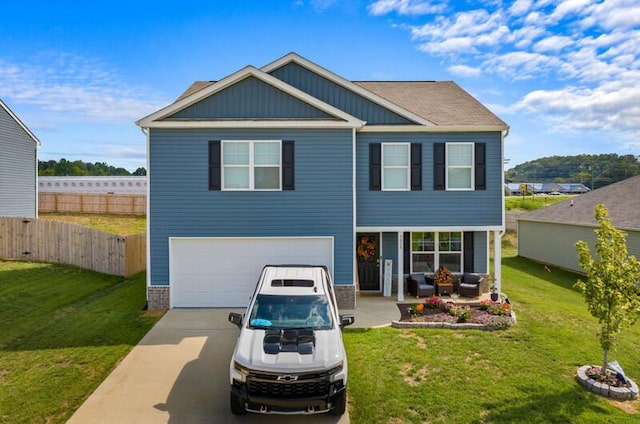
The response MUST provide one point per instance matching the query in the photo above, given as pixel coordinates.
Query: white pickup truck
(289, 357)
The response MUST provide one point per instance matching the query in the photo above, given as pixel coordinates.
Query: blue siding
(17, 169)
(336, 95)
(182, 205)
(428, 207)
(266, 102)
(480, 252)
(390, 251)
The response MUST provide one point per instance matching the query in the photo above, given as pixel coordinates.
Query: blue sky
(565, 75)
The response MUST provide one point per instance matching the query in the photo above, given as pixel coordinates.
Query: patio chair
(420, 286)
(469, 285)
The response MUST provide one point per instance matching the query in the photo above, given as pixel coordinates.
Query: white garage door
(223, 272)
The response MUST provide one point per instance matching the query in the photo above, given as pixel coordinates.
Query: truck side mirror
(236, 319)
(346, 320)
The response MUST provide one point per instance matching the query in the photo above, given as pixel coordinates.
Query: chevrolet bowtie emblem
(287, 377)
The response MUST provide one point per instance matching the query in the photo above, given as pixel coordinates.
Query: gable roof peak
(31, 135)
(350, 85)
(205, 90)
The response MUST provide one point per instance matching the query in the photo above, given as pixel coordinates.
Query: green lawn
(530, 203)
(122, 225)
(62, 330)
(523, 374)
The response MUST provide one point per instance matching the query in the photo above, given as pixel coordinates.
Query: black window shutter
(215, 163)
(468, 252)
(375, 166)
(480, 167)
(439, 166)
(416, 166)
(288, 174)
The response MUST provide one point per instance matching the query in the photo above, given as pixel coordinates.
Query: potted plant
(494, 293)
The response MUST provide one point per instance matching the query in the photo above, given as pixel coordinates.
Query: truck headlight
(337, 373)
(239, 372)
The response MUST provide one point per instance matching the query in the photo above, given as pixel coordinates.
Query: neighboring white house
(18, 166)
(549, 235)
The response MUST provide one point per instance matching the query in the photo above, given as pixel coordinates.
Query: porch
(375, 310)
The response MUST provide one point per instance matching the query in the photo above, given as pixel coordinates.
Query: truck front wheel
(340, 404)
(237, 405)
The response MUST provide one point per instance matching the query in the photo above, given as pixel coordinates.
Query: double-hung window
(396, 166)
(251, 165)
(460, 158)
(430, 250)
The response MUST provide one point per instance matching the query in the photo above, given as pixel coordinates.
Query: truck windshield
(282, 312)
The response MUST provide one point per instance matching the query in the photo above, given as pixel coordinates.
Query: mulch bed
(478, 315)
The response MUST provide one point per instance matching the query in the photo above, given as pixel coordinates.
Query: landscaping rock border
(449, 325)
(603, 389)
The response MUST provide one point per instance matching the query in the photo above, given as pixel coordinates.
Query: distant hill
(591, 170)
(80, 168)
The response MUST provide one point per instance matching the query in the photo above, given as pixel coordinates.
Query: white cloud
(569, 7)
(606, 107)
(591, 47)
(521, 65)
(405, 7)
(465, 71)
(613, 15)
(520, 7)
(74, 88)
(552, 44)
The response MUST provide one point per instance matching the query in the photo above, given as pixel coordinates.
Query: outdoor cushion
(419, 285)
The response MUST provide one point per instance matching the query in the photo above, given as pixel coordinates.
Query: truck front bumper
(289, 406)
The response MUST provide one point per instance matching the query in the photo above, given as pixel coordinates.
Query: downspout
(354, 216)
(497, 239)
(146, 132)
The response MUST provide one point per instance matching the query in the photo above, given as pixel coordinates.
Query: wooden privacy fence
(105, 203)
(41, 240)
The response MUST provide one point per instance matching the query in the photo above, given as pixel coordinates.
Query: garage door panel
(223, 272)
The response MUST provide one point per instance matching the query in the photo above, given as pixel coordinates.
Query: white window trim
(251, 165)
(436, 252)
(407, 167)
(471, 167)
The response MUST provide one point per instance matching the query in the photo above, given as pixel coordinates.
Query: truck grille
(288, 385)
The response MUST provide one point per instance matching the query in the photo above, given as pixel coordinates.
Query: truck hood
(327, 353)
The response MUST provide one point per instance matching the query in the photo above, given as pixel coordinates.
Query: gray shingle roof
(622, 200)
(441, 102)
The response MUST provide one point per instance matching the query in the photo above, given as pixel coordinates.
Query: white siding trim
(373, 229)
(432, 129)
(249, 124)
(22, 125)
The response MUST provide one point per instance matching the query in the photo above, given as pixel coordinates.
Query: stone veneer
(345, 296)
(157, 297)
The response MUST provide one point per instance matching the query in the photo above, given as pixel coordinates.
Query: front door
(368, 254)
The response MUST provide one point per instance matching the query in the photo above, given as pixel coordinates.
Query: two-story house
(291, 163)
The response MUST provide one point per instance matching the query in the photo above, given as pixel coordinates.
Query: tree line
(81, 168)
(594, 171)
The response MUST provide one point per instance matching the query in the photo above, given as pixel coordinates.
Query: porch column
(400, 267)
(497, 260)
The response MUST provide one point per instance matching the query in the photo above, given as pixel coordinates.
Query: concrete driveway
(178, 373)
